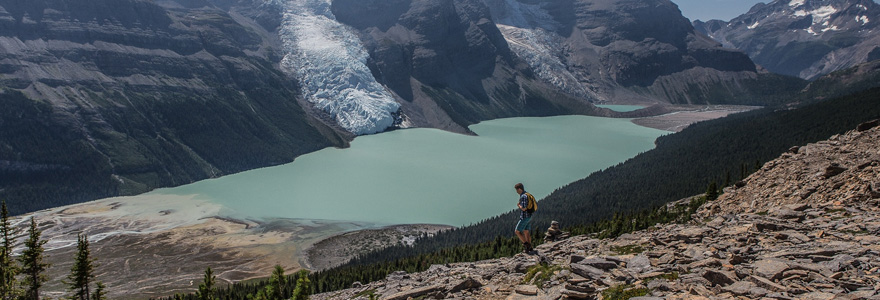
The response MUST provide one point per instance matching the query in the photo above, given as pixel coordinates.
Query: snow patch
(863, 19)
(823, 13)
(330, 63)
(753, 26)
(832, 28)
(796, 3)
(800, 13)
(861, 6)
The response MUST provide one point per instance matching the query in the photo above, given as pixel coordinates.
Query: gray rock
(466, 284)
(646, 298)
(415, 293)
(767, 284)
(587, 271)
(739, 288)
(638, 264)
(600, 263)
(789, 214)
(528, 290)
(576, 295)
(722, 278)
(817, 296)
(771, 269)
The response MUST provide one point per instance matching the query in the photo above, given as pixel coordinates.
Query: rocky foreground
(805, 226)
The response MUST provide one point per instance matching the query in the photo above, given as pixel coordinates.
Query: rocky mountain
(105, 98)
(804, 38)
(804, 226)
(448, 63)
(624, 51)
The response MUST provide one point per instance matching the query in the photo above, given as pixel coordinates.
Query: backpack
(533, 204)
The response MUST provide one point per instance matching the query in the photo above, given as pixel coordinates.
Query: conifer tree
(82, 272)
(8, 268)
(303, 286)
(712, 191)
(32, 265)
(206, 288)
(99, 292)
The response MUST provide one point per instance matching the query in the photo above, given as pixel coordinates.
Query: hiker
(554, 233)
(527, 207)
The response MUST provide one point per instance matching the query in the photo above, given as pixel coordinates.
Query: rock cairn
(806, 226)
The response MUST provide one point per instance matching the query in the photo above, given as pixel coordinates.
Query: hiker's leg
(527, 237)
(518, 232)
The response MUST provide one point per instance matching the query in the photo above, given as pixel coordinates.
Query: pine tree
(712, 191)
(277, 281)
(32, 265)
(206, 288)
(8, 269)
(303, 286)
(99, 292)
(82, 272)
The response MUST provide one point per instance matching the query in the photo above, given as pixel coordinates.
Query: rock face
(622, 51)
(105, 98)
(448, 62)
(804, 38)
(745, 245)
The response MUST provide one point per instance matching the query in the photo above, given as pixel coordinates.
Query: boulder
(587, 271)
(720, 278)
(528, 290)
(415, 293)
(771, 268)
(638, 264)
(767, 284)
(600, 263)
(467, 284)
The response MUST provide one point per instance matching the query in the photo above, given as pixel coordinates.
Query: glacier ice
(330, 63)
(530, 32)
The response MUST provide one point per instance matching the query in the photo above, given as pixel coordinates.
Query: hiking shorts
(524, 224)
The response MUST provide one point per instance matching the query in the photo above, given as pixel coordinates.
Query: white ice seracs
(330, 63)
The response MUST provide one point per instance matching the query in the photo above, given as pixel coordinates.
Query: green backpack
(533, 204)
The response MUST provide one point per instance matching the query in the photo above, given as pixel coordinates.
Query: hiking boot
(526, 249)
(529, 247)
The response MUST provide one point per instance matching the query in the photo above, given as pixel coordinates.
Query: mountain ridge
(803, 38)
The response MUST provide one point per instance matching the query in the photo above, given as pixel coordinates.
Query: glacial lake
(428, 175)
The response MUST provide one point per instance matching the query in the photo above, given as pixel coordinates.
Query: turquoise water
(622, 108)
(429, 175)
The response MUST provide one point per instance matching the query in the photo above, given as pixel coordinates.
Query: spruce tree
(206, 288)
(32, 265)
(712, 191)
(99, 292)
(82, 271)
(303, 286)
(8, 268)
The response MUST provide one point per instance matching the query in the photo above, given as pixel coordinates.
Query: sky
(715, 9)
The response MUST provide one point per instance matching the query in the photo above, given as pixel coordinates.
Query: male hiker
(527, 207)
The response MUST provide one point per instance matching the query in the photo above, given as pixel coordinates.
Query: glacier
(330, 63)
(530, 32)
